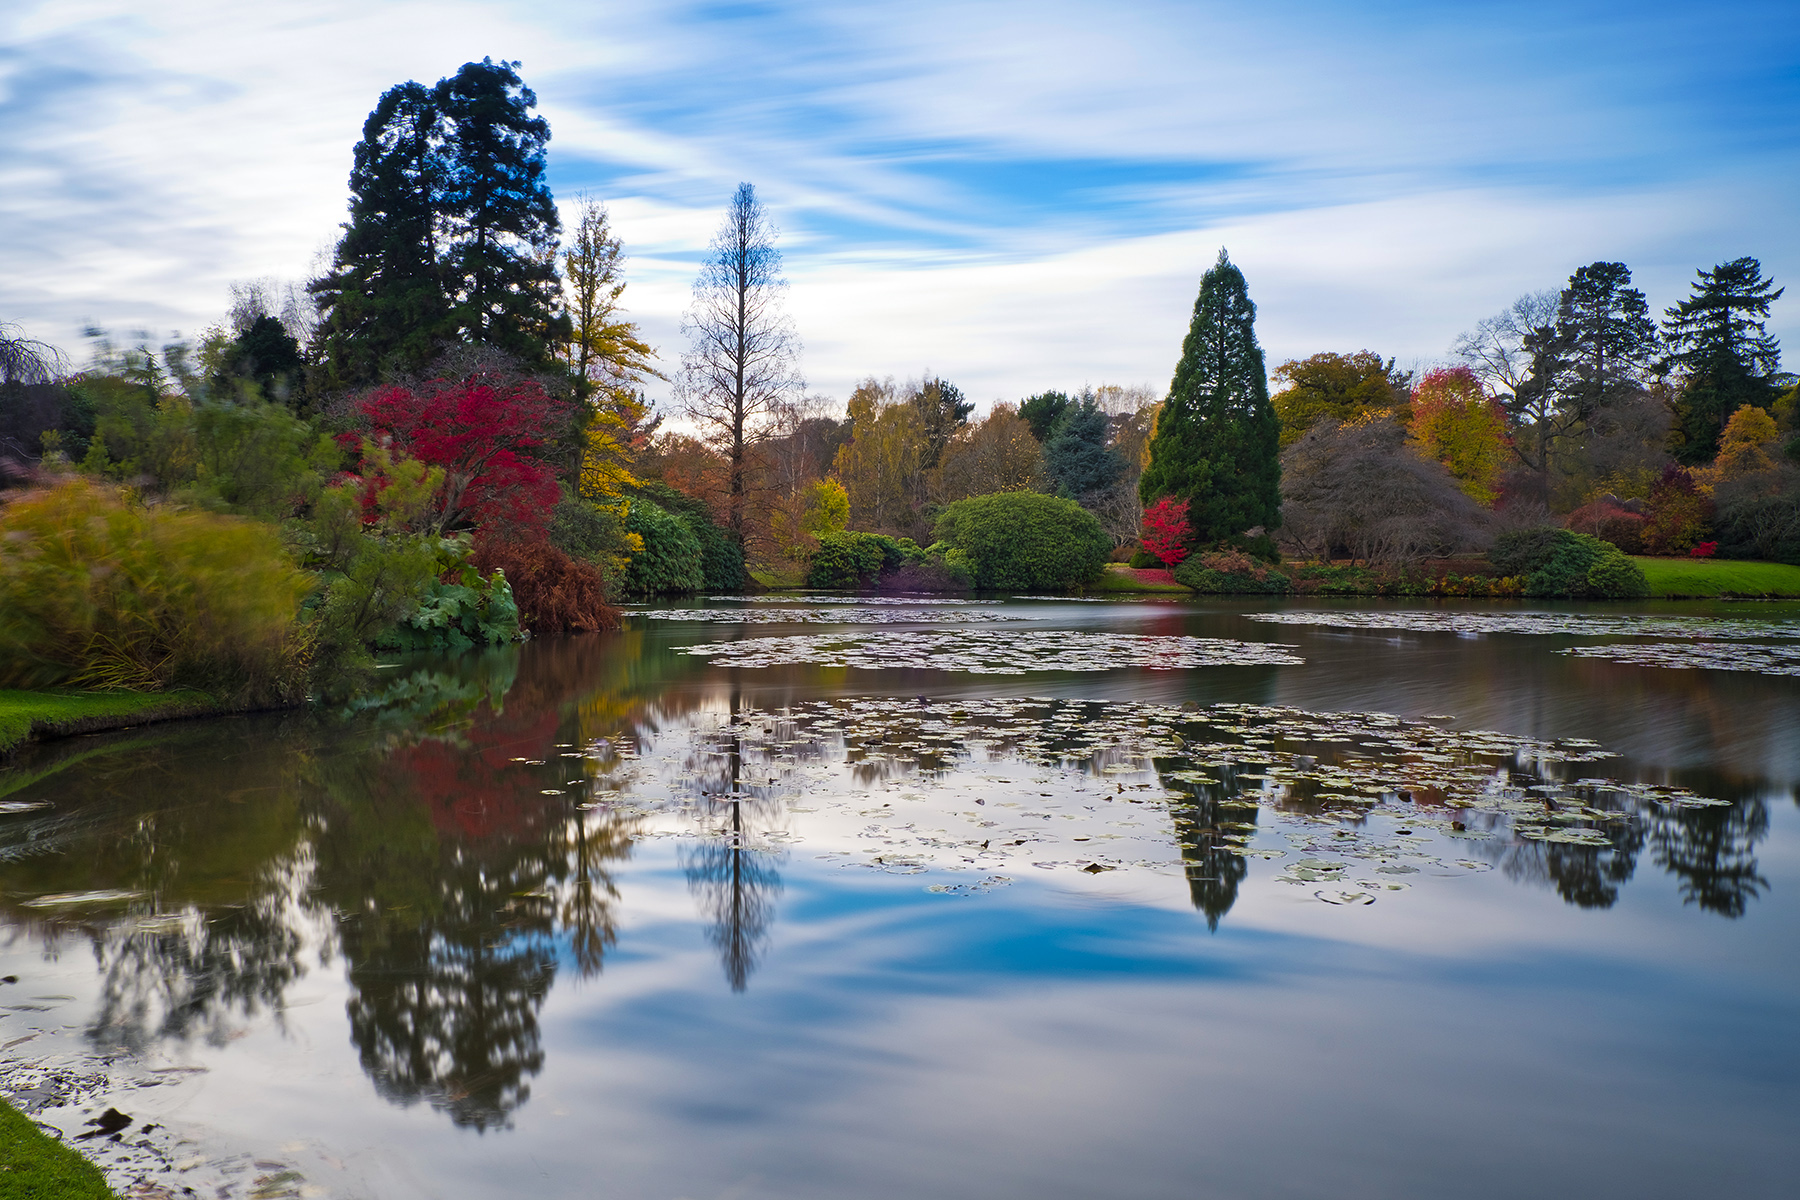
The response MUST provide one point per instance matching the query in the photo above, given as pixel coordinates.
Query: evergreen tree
(1217, 437)
(942, 410)
(266, 355)
(1041, 412)
(1610, 342)
(1076, 453)
(1718, 343)
(501, 261)
(384, 303)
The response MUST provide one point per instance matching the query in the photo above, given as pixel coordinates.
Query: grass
(35, 1166)
(27, 714)
(1684, 578)
(1120, 579)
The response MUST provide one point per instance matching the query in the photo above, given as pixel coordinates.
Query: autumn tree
(1217, 436)
(742, 355)
(1721, 348)
(1457, 423)
(1343, 387)
(998, 454)
(942, 411)
(883, 465)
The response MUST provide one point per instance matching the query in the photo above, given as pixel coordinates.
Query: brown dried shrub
(555, 593)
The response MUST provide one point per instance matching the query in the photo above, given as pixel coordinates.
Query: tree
(1217, 438)
(1455, 422)
(1042, 411)
(998, 455)
(488, 435)
(1719, 345)
(500, 264)
(384, 303)
(26, 360)
(1612, 342)
(1076, 453)
(883, 465)
(266, 356)
(740, 362)
(942, 411)
(1166, 531)
(1341, 386)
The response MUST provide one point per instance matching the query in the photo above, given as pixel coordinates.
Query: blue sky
(1017, 196)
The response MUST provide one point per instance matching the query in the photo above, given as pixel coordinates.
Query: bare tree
(742, 356)
(27, 360)
(1498, 349)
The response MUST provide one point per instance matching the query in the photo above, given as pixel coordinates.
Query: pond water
(814, 898)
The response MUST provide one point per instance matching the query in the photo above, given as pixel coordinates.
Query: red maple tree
(488, 433)
(1166, 530)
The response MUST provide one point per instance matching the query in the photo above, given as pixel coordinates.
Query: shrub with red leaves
(1680, 514)
(1704, 550)
(1610, 522)
(488, 432)
(555, 593)
(1166, 531)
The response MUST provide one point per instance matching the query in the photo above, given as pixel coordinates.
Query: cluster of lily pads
(1713, 656)
(1541, 623)
(995, 653)
(859, 615)
(1357, 799)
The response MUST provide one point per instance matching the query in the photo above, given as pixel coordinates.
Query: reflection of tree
(1585, 876)
(729, 873)
(1711, 852)
(1214, 872)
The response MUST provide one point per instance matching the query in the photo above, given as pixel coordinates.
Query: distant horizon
(1016, 199)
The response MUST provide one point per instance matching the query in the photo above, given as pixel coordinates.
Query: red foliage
(1166, 530)
(487, 432)
(1704, 550)
(1610, 522)
(555, 593)
(1680, 513)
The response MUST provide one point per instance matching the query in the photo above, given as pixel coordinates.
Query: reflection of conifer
(1711, 851)
(1213, 871)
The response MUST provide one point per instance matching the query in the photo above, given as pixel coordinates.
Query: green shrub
(846, 559)
(592, 533)
(671, 561)
(721, 557)
(1025, 541)
(1143, 560)
(1229, 572)
(98, 592)
(1562, 563)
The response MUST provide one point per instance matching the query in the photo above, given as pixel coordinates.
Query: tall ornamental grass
(99, 592)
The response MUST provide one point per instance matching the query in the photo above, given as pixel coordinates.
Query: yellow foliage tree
(1743, 448)
(1456, 422)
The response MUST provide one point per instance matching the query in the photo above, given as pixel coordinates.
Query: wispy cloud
(1018, 195)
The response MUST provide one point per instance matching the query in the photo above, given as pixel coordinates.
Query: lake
(818, 897)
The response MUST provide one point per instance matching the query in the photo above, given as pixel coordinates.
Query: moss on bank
(25, 715)
(35, 1166)
(1702, 578)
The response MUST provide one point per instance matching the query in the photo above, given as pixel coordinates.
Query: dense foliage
(852, 560)
(670, 562)
(1560, 562)
(1217, 438)
(1022, 541)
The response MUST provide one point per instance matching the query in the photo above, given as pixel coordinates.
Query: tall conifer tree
(1722, 348)
(1217, 438)
(384, 303)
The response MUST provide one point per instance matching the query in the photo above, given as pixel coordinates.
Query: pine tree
(1076, 453)
(383, 301)
(1720, 346)
(1611, 340)
(501, 260)
(943, 410)
(1217, 437)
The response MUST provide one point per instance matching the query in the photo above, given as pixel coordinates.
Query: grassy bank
(1121, 579)
(1700, 578)
(25, 715)
(35, 1166)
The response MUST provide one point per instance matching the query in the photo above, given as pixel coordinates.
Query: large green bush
(671, 560)
(1562, 563)
(721, 557)
(848, 560)
(1024, 541)
(99, 592)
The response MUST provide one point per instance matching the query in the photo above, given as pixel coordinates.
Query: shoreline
(27, 717)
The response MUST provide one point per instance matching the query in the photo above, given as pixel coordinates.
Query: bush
(98, 592)
(721, 557)
(593, 533)
(1143, 560)
(671, 560)
(1610, 521)
(1561, 563)
(554, 593)
(1229, 572)
(459, 611)
(1023, 541)
(1680, 514)
(849, 560)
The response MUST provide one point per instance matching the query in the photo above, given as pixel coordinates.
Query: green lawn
(1121, 579)
(35, 1166)
(69, 712)
(1703, 577)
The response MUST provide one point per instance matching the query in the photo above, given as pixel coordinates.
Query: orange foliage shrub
(555, 593)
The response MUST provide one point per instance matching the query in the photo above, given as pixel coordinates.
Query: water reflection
(461, 848)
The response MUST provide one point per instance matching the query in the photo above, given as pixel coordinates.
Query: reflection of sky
(1018, 196)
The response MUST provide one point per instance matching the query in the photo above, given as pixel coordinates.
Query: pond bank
(30, 716)
(35, 1166)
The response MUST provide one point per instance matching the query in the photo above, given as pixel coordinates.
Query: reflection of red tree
(473, 789)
